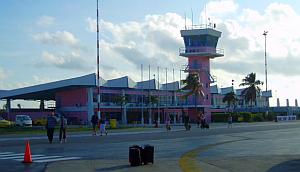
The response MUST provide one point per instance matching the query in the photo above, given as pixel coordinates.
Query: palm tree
(252, 89)
(122, 101)
(230, 99)
(194, 87)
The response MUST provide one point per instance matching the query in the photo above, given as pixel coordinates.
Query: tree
(252, 89)
(194, 87)
(230, 99)
(122, 101)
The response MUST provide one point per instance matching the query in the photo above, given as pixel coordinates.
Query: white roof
(46, 90)
(149, 84)
(214, 89)
(170, 86)
(123, 82)
(226, 90)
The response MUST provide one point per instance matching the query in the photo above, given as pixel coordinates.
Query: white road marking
(13, 154)
(58, 159)
(35, 158)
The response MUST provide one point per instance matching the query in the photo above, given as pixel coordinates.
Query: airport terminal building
(76, 98)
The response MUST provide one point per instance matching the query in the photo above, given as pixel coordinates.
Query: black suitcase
(207, 126)
(148, 154)
(135, 155)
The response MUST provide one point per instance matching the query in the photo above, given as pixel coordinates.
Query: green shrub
(246, 116)
(257, 117)
(219, 117)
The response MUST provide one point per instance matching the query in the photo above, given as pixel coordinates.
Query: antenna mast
(98, 62)
(192, 18)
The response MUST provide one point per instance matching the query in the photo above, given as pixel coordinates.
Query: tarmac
(271, 151)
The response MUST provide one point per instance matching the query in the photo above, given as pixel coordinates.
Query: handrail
(183, 50)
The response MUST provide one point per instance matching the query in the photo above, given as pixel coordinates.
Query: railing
(202, 26)
(209, 50)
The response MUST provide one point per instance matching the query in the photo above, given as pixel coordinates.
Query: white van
(23, 120)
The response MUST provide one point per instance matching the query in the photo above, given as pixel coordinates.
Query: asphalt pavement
(245, 147)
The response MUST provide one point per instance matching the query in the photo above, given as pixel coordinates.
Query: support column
(42, 105)
(8, 108)
(124, 117)
(175, 116)
(278, 102)
(90, 104)
(150, 115)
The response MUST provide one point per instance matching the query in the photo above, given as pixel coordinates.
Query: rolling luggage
(207, 126)
(148, 154)
(135, 155)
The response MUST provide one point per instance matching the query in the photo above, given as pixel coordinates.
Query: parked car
(5, 123)
(40, 121)
(23, 120)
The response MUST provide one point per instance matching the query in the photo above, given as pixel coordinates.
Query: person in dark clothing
(199, 119)
(50, 126)
(94, 122)
(62, 131)
(186, 122)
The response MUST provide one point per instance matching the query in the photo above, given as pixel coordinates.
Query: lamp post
(266, 70)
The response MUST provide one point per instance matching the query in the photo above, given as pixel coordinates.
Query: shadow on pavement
(119, 167)
(287, 166)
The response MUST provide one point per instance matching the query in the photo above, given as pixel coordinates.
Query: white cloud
(155, 42)
(92, 24)
(2, 74)
(57, 38)
(219, 8)
(64, 61)
(45, 21)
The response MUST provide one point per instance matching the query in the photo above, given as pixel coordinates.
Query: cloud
(2, 74)
(63, 61)
(154, 41)
(45, 21)
(56, 38)
(92, 24)
(220, 7)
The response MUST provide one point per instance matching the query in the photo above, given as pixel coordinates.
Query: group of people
(98, 123)
(52, 121)
(201, 121)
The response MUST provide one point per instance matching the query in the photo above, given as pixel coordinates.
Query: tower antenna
(192, 18)
(185, 21)
(98, 64)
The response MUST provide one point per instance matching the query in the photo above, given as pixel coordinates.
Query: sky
(49, 40)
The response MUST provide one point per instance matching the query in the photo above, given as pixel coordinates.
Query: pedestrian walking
(102, 126)
(94, 122)
(50, 126)
(187, 122)
(203, 121)
(168, 122)
(229, 121)
(199, 119)
(62, 131)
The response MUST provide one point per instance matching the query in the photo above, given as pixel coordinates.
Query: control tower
(200, 47)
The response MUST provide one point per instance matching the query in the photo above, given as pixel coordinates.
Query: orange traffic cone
(27, 154)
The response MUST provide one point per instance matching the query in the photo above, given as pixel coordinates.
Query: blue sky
(42, 41)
